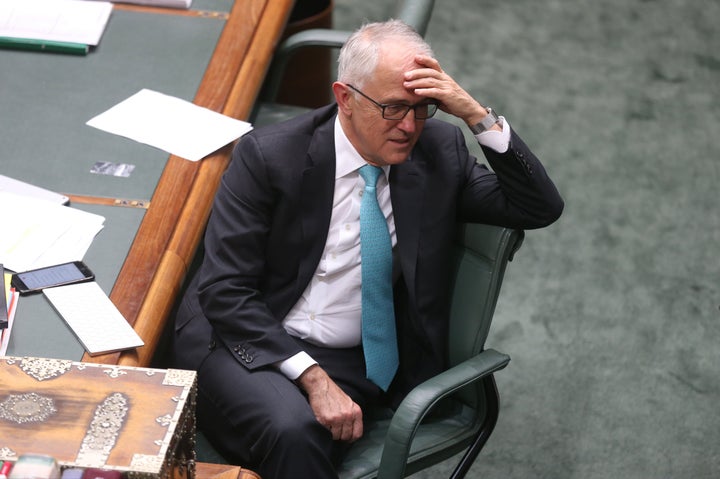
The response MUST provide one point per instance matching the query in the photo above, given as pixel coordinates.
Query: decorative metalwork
(7, 454)
(30, 407)
(115, 371)
(165, 420)
(146, 463)
(107, 432)
(103, 431)
(44, 368)
(179, 377)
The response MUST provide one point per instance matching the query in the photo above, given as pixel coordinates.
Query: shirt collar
(347, 158)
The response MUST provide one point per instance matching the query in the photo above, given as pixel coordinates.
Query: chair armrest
(314, 37)
(422, 399)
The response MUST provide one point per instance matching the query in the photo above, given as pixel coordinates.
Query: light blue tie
(378, 315)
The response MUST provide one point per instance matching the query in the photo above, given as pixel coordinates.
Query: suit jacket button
(212, 345)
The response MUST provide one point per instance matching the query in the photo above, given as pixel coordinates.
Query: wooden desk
(170, 229)
(165, 244)
(221, 471)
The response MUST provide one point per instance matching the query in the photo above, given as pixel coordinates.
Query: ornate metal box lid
(135, 420)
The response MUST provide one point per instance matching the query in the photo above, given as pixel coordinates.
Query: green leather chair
(412, 439)
(456, 410)
(415, 13)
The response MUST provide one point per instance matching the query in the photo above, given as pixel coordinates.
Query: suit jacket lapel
(316, 195)
(407, 182)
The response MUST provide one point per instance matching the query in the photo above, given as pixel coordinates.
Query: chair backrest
(480, 261)
(407, 443)
(415, 13)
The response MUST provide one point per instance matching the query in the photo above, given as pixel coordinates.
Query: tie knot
(370, 174)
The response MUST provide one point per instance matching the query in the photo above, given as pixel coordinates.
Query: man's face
(380, 141)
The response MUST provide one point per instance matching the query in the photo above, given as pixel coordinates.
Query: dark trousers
(263, 421)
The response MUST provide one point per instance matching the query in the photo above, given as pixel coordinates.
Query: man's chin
(398, 155)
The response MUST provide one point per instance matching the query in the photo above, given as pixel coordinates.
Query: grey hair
(359, 56)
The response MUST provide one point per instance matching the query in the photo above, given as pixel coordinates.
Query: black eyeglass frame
(431, 107)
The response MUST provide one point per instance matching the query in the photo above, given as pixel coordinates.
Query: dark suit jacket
(271, 216)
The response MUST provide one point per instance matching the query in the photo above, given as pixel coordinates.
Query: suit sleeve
(233, 274)
(519, 194)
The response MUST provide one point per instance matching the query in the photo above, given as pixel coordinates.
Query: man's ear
(342, 97)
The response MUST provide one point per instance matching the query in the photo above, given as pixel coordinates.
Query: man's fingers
(427, 61)
(357, 430)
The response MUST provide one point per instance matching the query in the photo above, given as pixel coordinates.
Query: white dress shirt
(329, 311)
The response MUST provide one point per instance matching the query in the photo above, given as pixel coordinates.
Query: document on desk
(73, 21)
(11, 301)
(171, 124)
(26, 189)
(160, 3)
(39, 233)
(94, 319)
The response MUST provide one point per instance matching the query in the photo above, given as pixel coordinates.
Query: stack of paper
(18, 187)
(11, 301)
(160, 3)
(67, 26)
(41, 233)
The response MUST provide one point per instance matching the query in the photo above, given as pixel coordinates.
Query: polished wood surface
(204, 470)
(109, 416)
(154, 270)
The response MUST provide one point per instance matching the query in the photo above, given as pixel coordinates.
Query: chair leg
(492, 404)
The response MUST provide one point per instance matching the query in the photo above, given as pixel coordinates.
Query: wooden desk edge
(157, 263)
(204, 470)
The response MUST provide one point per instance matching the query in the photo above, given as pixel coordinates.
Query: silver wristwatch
(486, 122)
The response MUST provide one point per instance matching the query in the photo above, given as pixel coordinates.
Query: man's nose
(408, 123)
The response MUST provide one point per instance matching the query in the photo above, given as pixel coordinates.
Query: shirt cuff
(294, 366)
(497, 140)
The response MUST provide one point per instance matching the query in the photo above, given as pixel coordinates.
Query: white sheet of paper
(171, 124)
(57, 20)
(26, 189)
(161, 3)
(40, 233)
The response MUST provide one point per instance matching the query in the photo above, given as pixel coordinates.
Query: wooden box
(139, 421)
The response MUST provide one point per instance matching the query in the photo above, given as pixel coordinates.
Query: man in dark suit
(272, 319)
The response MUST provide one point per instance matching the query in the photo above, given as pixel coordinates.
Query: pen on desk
(43, 45)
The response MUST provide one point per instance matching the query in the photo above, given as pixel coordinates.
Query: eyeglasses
(397, 111)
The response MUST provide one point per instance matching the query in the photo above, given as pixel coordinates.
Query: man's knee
(288, 429)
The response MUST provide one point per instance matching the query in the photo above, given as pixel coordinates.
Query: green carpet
(612, 314)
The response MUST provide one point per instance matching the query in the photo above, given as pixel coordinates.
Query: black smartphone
(36, 280)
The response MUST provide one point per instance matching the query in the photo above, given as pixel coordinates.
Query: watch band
(486, 122)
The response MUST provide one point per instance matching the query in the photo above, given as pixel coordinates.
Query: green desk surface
(45, 100)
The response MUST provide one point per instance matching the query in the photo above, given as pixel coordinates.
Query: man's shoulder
(304, 124)
(281, 145)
